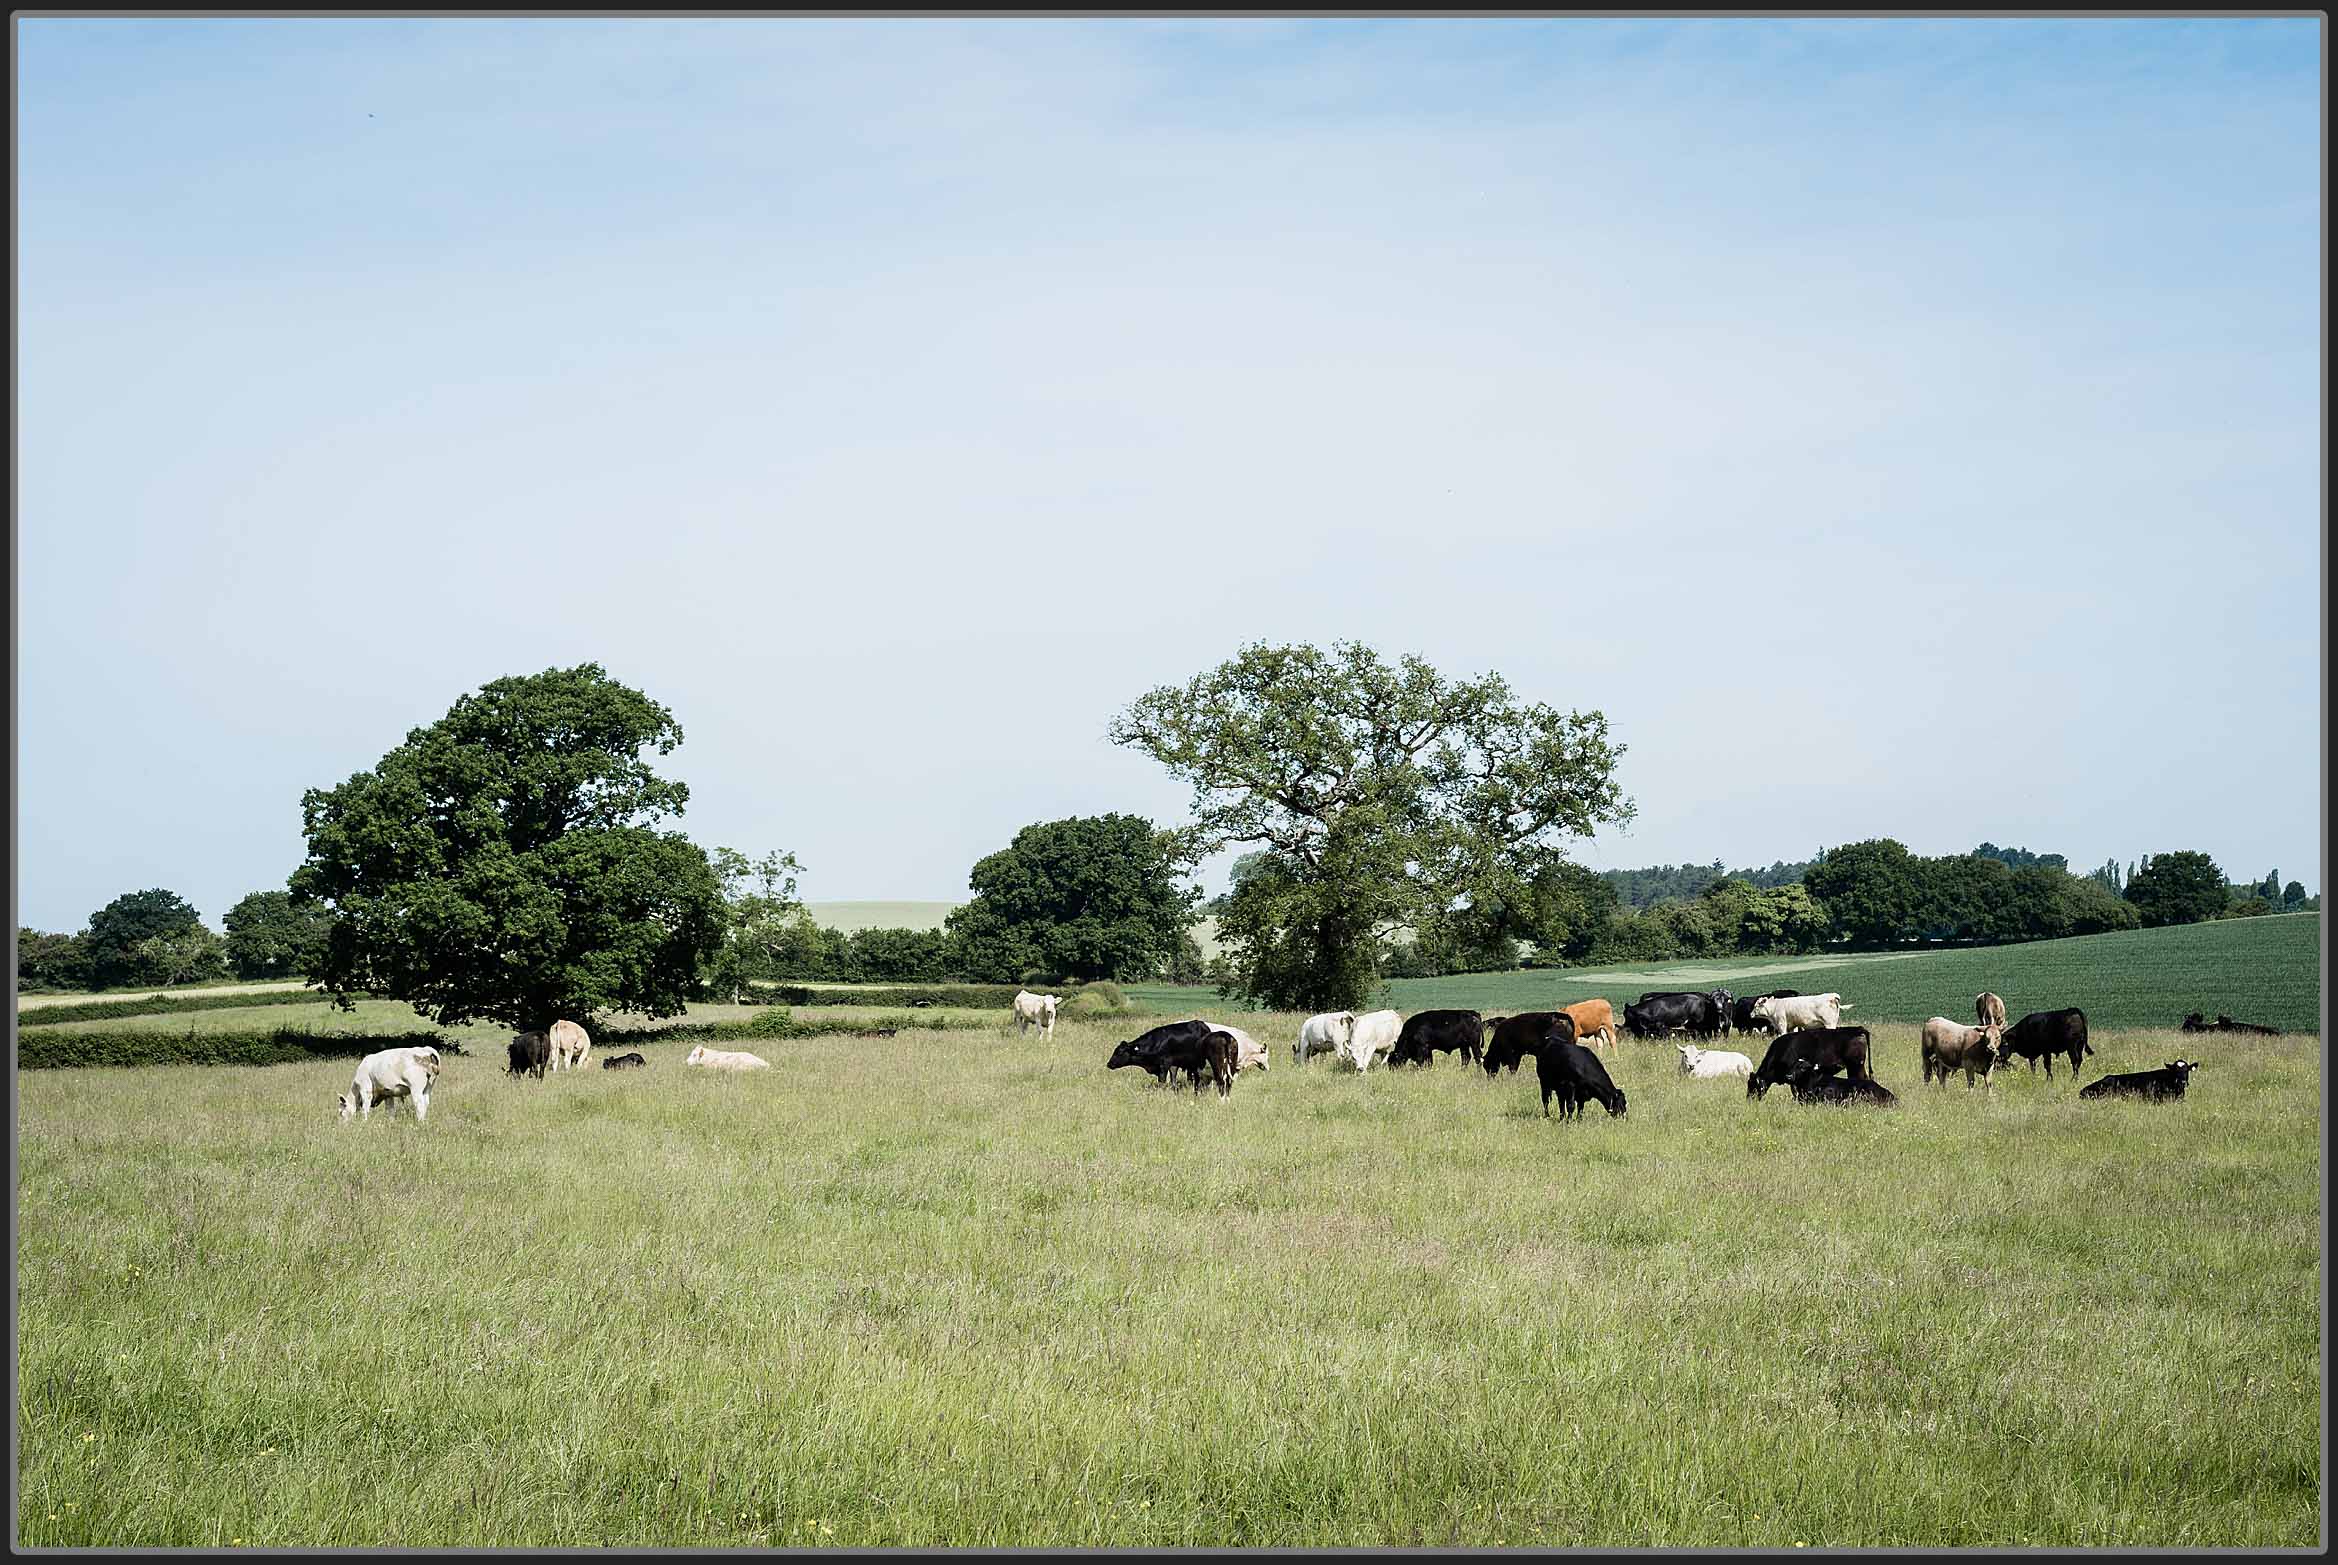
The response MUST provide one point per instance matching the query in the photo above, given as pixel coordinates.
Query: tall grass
(966, 1290)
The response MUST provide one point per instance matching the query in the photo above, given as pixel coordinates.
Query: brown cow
(1989, 1010)
(1594, 1020)
(1951, 1046)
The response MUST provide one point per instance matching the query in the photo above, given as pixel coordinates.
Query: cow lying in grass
(1809, 1086)
(2198, 1023)
(1706, 1064)
(386, 1076)
(624, 1062)
(727, 1059)
(2159, 1086)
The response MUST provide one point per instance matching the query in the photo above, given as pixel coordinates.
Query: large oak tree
(1382, 796)
(502, 863)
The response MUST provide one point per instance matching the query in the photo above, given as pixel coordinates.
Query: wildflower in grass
(88, 1436)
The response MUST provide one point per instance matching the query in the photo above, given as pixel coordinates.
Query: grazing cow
(1373, 1037)
(1172, 1046)
(569, 1044)
(1515, 1037)
(1785, 1015)
(1741, 1014)
(531, 1052)
(1323, 1034)
(1567, 1071)
(1427, 1034)
(388, 1075)
(727, 1059)
(1658, 1014)
(2157, 1086)
(624, 1062)
(1707, 1064)
(1988, 1010)
(1812, 1086)
(2223, 1023)
(2044, 1034)
(1594, 1022)
(1035, 1010)
(1952, 1046)
(1823, 1049)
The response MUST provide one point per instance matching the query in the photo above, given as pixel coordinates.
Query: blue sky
(1898, 428)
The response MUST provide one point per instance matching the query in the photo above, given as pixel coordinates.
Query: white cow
(1324, 1034)
(1248, 1051)
(1712, 1062)
(1035, 1010)
(1793, 1013)
(1372, 1036)
(727, 1059)
(389, 1075)
(566, 1045)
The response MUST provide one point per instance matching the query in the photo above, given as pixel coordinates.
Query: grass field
(870, 1299)
(2263, 970)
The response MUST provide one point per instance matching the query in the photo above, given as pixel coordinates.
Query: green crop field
(854, 916)
(974, 1289)
(2264, 970)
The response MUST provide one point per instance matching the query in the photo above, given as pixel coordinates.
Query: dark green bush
(160, 1005)
(280, 1046)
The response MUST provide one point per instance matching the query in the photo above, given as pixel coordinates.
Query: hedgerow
(46, 1050)
(162, 1005)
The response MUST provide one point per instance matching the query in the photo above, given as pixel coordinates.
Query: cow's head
(1688, 1055)
(1764, 1010)
(1125, 1054)
(348, 1105)
(697, 1055)
(1613, 1101)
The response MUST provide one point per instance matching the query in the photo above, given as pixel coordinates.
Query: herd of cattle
(1811, 1052)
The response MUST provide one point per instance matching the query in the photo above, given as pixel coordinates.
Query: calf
(1803, 1010)
(2223, 1023)
(1952, 1046)
(1373, 1036)
(1741, 1014)
(2044, 1034)
(388, 1075)
(530, 1053)
(1567, 1071)
(1326, 1033)
(1823, 1049)
(624, 1062)
(1427, 1034)
(1224, 1051)
(1988, 1010)
(1172, 1046)
(1035, 1010)
(727, 1059)
(1707, 1064)
(569, 1044)
(1810, 1086)
(2157, 1086)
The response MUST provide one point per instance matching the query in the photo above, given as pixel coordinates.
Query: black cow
(1824, 1050)
(1813, 1086)
(1741, 1014)
(1657, 1016)
(1571, 1073)
(530, 1053)
(1172, 1046)
(1723, 1001)
(1428, 1033)
(2223, 1023)
(624, 1062)
(1518, 1036)
(2152, 1086)
(2044, 1034)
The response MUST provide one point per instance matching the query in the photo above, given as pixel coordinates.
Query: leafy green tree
(877, 956)
(764, 924)
(1787, 920)
(2248, 907)
(1873, 891)
(115, 931)
(1383, 796)
(2177, 888)
(187, 956)
(46, 961)
(1086, 898)
(270, 936)
(2292, 895)
(502, 862)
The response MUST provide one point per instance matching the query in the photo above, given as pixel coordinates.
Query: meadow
(973, 1289)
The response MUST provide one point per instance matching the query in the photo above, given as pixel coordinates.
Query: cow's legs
(421, 1107)
(2049, 1067)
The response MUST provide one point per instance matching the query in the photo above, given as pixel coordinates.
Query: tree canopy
(2177, 888)
(502, 862)
(116, 931)
(1084, 898)
(1381, 795)
(271, 936)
